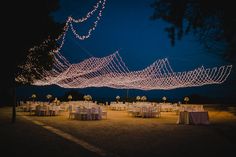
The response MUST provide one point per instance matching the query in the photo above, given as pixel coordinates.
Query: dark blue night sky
(126, 26)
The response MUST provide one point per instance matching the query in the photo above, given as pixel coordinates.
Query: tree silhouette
(26, 23)
(212, 22)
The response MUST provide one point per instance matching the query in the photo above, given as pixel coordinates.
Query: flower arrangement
(87, 97)
(186, 99)
(33, 96)
(49, 96)
(143, 98)
(164, 99)
(117, 98)
(56, 101)
(69, 97)
(138, 98)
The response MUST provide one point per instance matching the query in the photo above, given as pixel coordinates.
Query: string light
(111, 71)
(99, 7)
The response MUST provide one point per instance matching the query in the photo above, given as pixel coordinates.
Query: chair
(71, 113)
(156, 111)
(103, 113)
(85, 114)
(32, 110)
(94, 113)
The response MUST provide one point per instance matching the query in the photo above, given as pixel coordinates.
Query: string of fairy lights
(111, 71)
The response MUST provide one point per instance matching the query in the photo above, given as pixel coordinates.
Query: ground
(118, 135)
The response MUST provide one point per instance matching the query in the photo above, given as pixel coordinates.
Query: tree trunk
(13, 120)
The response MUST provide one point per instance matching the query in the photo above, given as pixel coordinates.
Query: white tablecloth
(193, 118)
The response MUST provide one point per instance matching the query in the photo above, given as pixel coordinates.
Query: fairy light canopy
(111, 71)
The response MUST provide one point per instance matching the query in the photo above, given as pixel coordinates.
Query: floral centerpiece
(69, 97)
(143, 98)
(117, 98)
(186, 99)
(164, 99)
(138, 98)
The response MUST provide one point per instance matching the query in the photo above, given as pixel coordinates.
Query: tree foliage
(38, 60)
(26, 23)
(29, 24)
(212, 22)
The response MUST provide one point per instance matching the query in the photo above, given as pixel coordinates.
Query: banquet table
(196, 117)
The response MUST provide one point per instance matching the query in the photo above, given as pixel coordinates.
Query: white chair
(71, 112)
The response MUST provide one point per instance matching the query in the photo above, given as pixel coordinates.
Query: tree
(212, 22)
(38, 60)
(28, 23)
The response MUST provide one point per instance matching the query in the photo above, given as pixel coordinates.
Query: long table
(197, 117)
